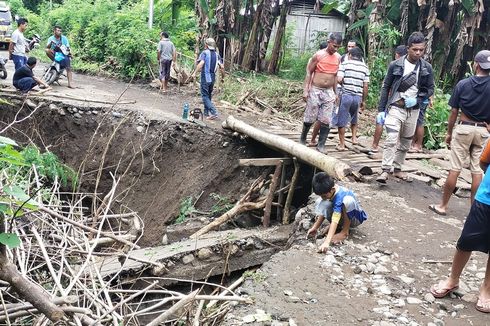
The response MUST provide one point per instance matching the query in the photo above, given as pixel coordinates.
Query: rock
(248, 319)
(386, 323)
(429, 298)
(384, 289)
(458, 307)
(403, 319)
(412, 300)
(381, 270)
(225, 144)
(95, 112)
(399, 303)
(372, 259)
(140, 129)
(370, 267)
(294, 299)
(288, 292)
(431, 324)
(438, 322)
(117, 114)
(165, 239)
(75, 110)
(299, 214)
(204, 253)
(292, 322)
(470, 298)
(187, 259)
(442, 306)
(357, 270)
(406, 279)
(61, 111)
(53, 106)
(77, 115)
(329, 261)
(306, 224)
(480, 275)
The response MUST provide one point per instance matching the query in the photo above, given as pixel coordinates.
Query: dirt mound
(160, 163)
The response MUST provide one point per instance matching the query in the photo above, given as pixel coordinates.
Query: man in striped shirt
(354, 76)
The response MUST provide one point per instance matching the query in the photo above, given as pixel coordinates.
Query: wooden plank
(424, 169)
(419, 156)
(263, 161)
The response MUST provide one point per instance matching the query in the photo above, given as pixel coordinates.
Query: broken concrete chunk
(187, 259)
(204, 253)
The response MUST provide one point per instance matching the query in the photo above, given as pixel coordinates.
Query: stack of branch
(53, 276)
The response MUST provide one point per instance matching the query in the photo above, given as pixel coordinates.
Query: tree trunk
(276, 50)
(430, 28)
(250, 55)
(267, 19)
(330, 165)
(404, 18)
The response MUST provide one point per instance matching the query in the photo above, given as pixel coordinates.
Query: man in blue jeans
(18, 44)
(208, 64)
(353, 74)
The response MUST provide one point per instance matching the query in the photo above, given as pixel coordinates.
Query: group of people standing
(207, 64)
(406, 93)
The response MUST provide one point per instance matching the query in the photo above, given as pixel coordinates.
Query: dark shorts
(25, 84)
(421, 118)
(65, 63)
(476, 231)
(165, 66)
(347, 111)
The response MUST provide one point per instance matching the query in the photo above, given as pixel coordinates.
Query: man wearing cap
(471, 96)
(208, 63)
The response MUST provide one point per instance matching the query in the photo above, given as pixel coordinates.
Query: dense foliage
(112, 34)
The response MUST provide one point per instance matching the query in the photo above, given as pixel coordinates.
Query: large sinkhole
(161, 164)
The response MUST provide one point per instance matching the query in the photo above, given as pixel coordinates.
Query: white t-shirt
(19, 43)
(408, 68)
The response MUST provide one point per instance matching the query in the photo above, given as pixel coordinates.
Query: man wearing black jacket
(408, 82)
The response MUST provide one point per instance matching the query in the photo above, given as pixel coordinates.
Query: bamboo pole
(330, 165)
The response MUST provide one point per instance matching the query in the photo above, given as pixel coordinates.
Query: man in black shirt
(24, 79)
(471, 96)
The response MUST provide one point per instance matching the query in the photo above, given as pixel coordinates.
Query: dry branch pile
(53, 275)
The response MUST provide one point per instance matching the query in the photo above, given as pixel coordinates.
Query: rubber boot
(322, 137)
(304, 133)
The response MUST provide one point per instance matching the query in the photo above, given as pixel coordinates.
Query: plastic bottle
(185, 112)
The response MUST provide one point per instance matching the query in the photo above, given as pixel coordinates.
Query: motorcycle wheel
(3, 73)
(51, 76)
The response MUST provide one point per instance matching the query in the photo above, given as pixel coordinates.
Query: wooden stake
(176, 307)
(272, 189)
(292, 186)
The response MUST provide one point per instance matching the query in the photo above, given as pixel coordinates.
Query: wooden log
(330, 165)
(292, 186)
(272, 189)
(263, 161)
(282, 188)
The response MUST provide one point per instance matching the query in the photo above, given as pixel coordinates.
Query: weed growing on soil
(256, 276)
(222, 204)
(186, 209)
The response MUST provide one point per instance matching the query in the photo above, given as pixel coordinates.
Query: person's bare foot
(71, 86)
(355, 141)
(339, 237)
(402, 176)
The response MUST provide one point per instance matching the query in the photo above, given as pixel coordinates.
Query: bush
(436, 121)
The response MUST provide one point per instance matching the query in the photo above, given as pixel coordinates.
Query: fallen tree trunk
(330, 165)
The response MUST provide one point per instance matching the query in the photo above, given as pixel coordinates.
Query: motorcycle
(3, 71)
(54, 71)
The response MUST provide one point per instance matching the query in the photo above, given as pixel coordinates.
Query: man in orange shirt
(320, 89)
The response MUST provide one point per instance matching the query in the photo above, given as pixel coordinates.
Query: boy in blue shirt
(474, 237)
(338, 205)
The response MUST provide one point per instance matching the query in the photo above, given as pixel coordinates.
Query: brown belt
(474, 124)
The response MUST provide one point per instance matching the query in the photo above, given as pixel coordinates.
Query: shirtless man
(320, 89)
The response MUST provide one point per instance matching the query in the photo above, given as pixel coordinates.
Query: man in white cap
(208, 63)
(471, 96)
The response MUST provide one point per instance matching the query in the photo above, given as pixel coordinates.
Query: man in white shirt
(18, 44)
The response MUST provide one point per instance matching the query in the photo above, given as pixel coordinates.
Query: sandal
(439, 291)
(483, 305)
(383, 177)
(435, 210)
(340, 149)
